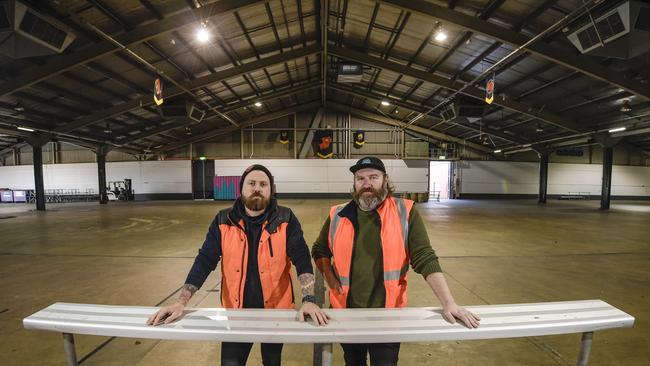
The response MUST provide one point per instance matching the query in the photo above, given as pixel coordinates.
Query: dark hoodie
(210, 253)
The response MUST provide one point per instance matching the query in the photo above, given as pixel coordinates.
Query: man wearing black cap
(256, 241)
(364, 250)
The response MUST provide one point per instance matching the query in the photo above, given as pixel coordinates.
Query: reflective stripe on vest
(394, 214)
(273, 264)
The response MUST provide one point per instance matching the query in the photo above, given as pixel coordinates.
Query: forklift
(120, 190)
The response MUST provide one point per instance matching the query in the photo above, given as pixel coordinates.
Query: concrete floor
(492, 252)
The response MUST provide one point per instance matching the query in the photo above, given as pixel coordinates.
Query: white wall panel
(496, 177)
(333, 176)
(501, 177)
(166, 176)
(169, 176)
(324, 176)
(630, 181)
(17, 177)
(565, 178)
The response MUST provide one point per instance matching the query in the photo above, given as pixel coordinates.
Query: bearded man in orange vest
(256, 241)
(364, 250)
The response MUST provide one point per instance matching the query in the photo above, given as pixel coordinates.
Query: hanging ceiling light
(625, 107)
(202, 35)
(19, 107)
(108, 129)
(188, 131)
(258, 104)
(385, 103)
(439, 33)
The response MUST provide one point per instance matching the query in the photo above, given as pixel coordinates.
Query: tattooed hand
(168, 314)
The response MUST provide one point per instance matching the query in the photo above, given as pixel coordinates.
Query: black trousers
(236, 354)
(381, 354)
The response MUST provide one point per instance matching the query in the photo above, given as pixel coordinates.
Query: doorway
(203, 179)
(439, 179)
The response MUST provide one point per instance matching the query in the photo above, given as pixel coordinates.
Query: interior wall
(522, 178)
(327, 176)
(148, 177)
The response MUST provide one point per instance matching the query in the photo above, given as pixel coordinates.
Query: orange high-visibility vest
(273, 262)
(394, 214)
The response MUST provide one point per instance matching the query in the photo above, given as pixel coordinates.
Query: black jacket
(210, 253)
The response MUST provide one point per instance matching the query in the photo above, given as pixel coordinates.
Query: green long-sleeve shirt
(366, 277)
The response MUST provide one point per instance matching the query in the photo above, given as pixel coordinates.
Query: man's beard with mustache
(256, 202)
(369, 202)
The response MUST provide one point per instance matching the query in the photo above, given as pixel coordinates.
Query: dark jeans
(381, 354)
(236, 354)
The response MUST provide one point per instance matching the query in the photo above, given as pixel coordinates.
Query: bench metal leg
(70, 352)
(585, 348)
(323, 354)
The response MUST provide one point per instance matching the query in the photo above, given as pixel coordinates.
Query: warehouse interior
(521, 128)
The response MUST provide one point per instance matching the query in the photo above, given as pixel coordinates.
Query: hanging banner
(284, 137)
(323, 143)
(359, 139)
(157, 92)
(489, 90)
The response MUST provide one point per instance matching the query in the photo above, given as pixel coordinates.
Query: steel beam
(37, 154)
(454, 86)
(369, 116)
(224, 130)
(543, 177)
(606, 188)
(557, 55)
(191, 85)
(138, 35)
(366, 94)
(309, 136)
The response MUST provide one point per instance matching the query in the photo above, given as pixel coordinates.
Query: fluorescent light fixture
(202, 35)
(442, 157)
(202, 158)
(618, 129)
(385, 103)
(497, 151)
(258, 104)
(25, 129)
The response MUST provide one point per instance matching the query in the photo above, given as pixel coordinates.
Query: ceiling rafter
(138, 35)
(448, 84)
(191, 85)
(544, 50)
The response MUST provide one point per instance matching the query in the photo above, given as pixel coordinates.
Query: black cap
(368, 162)
(256, 167)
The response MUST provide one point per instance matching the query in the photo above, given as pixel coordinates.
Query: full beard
(256, 202)
(369, 199)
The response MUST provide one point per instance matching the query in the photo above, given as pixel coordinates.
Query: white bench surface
(346, 325)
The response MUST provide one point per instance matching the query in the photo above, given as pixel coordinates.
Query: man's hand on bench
(466, 317)
(167, 314)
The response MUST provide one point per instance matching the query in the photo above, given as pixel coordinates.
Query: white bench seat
(346, 325)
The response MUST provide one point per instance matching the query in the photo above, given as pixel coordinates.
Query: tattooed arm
(168, 314)
(307, 284)
(187, 291)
